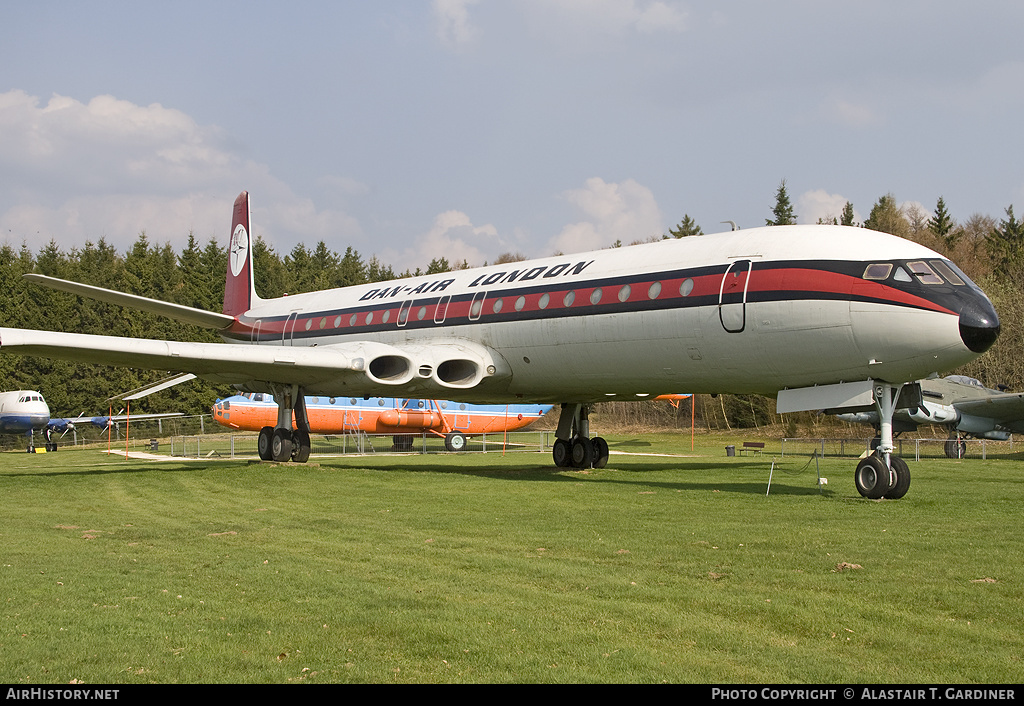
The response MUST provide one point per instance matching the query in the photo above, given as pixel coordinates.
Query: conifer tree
(886, 217)
(1006, 245)
(783, 210)
(686, 227)
(847, 218)
(942, 224)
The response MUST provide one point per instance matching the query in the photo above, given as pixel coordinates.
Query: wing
(355, 369)
(1006, 410)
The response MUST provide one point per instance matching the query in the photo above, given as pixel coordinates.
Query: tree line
(989, 250)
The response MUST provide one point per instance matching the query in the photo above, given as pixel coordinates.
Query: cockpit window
(878, 271)
(924, 273)
(901, 275)
(946, 271)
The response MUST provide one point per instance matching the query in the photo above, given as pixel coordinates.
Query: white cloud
(612, 212)
(581, 22)
(661, 16)
(453, 237)
(819, 204)
(850, 113)
(73, 171)
(454, 28)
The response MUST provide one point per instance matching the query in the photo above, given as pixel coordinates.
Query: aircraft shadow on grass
(782, 483)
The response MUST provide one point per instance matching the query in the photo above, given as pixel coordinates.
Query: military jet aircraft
(960, 403)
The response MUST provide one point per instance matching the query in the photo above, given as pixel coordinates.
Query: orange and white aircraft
(822, 317)
(454, 421)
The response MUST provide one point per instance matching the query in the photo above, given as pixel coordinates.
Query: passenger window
(924, 273)
(878, 271)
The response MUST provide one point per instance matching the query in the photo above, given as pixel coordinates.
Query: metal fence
(245, 445)
(908, 449)
(140, 433)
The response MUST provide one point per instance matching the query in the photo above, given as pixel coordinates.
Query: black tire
(561, 453)
(402, 442)
(600, 452)
(872, 478)
(902, 484)
(582, 453)
(955, 448)
(301, 446)
(265, 444)
(454, 441)
(281, 445)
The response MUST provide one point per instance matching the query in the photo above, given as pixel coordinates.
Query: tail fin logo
(239, 249)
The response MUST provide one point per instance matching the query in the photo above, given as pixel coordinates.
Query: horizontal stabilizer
(178, 312)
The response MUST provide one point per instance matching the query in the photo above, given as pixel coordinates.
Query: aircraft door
(442, 309)
(732, 296)
(477, 306)
(403, 313)
(289, 329)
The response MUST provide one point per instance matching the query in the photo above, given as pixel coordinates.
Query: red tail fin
(239, 290)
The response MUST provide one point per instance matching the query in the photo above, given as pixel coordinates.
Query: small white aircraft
(26, 412)
(820, 316)
(961, 404)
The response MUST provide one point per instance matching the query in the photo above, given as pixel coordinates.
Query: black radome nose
(979, 325)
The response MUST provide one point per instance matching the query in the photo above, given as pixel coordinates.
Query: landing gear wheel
(902, 484)
(301, 446)
(402, 442)
(600, 452)
(562, 452)
(454, 441)
(265, 444)
(872, 478)
(281, 445)
(955, 448)
(582, 453)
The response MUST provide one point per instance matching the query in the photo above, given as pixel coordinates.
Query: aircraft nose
(979, 324)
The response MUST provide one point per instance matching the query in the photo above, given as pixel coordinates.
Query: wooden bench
(752, 447)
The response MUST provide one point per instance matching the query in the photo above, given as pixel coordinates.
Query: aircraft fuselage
(745, 312)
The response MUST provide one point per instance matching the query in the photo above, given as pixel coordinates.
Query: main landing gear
(281, 442)
(573, 446)
(883, 474)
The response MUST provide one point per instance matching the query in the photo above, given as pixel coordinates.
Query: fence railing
(245, 445)
(908, 449)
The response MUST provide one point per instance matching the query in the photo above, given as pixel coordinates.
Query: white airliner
(26, 412)
(820, 316)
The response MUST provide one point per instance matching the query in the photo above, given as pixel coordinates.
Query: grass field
(492, 568)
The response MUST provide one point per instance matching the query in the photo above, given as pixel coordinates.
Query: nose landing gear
(883, 474)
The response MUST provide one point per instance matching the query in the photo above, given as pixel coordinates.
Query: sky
(467, 129)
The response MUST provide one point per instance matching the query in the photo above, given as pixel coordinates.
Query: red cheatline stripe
(782, 280)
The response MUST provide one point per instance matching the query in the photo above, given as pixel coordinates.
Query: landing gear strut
(883, 474)
(573, 446)
(282, 443)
